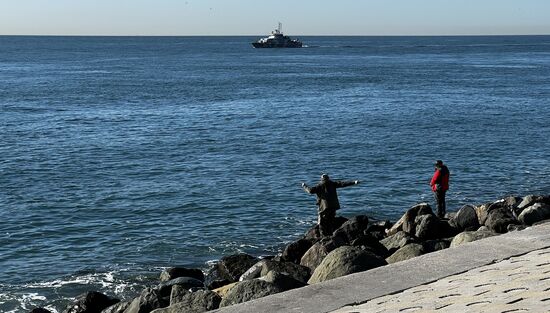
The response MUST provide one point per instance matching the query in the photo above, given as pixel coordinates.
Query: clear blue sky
(258, 17)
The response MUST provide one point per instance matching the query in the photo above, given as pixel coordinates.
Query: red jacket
(441, 177)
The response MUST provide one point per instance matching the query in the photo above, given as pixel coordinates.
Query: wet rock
(296, 250)
(466, 219)
(148, 301)
(397, 241)
(117, 308)
(176, 272)
(367, 241)
(535, 213)
(298, 272)
(469, 236)
(249, 290)
(91, 302)
(343, 261)
(352, 229)
(409, 251)
(283, 281)
(185, 282)
(427, 227)
(499, 219)
(178, 292)
(233, 266)
(195, 302)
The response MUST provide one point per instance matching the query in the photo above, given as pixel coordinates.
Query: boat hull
(277, 45)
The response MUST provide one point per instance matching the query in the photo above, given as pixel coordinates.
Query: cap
(438, 163)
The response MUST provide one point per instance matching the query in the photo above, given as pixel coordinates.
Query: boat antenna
(280, 29)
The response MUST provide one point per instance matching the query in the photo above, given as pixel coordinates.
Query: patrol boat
(277, 40)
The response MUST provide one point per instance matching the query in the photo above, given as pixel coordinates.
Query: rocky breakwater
(356, 245)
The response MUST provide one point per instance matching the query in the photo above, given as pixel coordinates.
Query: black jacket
(327, 199)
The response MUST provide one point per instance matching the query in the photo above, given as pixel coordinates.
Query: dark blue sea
(123, 155)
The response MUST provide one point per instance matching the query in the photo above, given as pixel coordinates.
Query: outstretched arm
(308, 189)
(341, 183)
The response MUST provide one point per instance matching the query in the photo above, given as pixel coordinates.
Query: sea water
(124, 155)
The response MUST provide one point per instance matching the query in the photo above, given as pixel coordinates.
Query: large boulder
(233, 266)
(222, 291)
(117, 308)
(148, 301)
(499, 219)
(185, 282)
(436, 244)
(397, 241)
(314, 256)
(466, 219)
(176, 272)
(378, 229)
(298, 272)
(482, 212)
(352, 229)
(427, 227)
(296, 250)
(90, 302)
(283, 281)
(194, 302)
(178, 293)
(407, 252)
(469, 236)
(343, 261)
(367, 241)
(535, 213)
(248, 290)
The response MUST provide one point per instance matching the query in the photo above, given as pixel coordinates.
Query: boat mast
(280, 28)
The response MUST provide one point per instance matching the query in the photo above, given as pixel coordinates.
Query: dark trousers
(440, 200)
(326, 222)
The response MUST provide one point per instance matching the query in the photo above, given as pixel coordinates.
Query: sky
(259, 17)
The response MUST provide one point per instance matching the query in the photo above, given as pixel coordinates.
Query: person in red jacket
(327, 200)
(440, 185)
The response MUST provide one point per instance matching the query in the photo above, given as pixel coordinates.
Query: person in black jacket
(327, 200)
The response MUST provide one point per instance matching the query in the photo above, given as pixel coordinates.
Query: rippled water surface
(123, 155)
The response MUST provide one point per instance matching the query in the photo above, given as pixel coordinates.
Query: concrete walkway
(506, 273)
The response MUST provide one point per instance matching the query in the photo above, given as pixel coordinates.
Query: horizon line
(295, 35)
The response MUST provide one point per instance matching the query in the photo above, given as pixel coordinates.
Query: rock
(499, 219)
(370, 242)
(407, 252)
(513, 227)
(176, 272)
(482, 212)
(378, 229)
(294, 251)
(314, 256)
(255, 271)
(427, 227)
(178, 293)
(528, 201)
(352, 229)
(222, 291)
(313, 234)
(447, 230)
(148, 301)
(90, 302)
(233, 266)
(195, 302)
(409, 223)
(282, 281)
(466, 219)
(297, 272)
(343, 261)
(40, 310)
(397, 241)
(469, 236)
(117, 308)
(248, 290)
(436, 245)
(185, 282)
(535, 213)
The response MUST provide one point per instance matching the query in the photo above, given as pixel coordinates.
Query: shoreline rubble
(356, 245)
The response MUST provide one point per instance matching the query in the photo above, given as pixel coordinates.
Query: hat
(438, 163)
